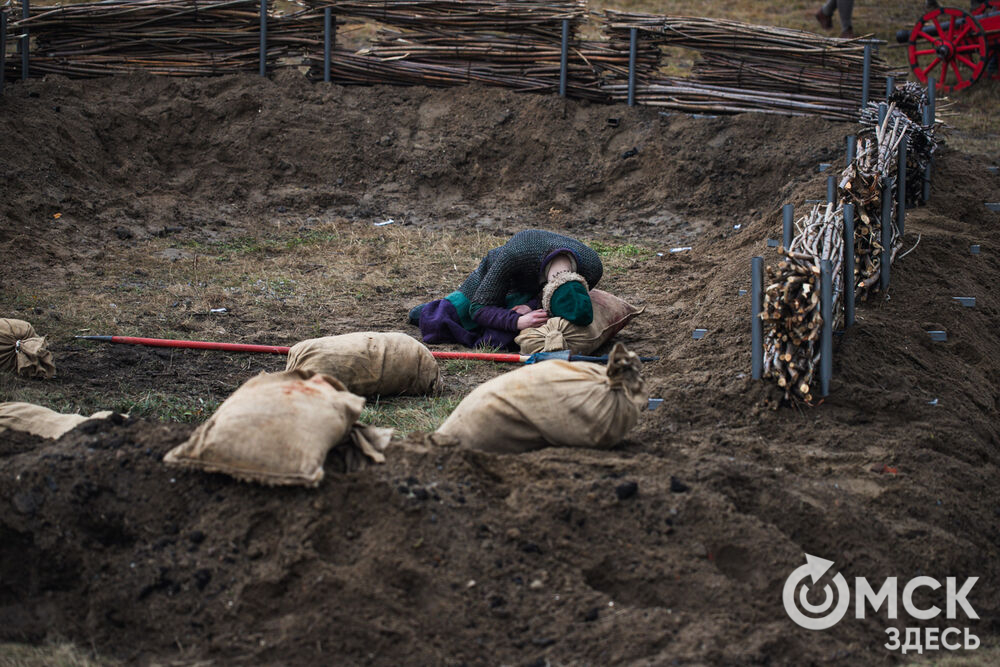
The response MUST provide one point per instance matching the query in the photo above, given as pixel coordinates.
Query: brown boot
(847, 34)
(825, 21)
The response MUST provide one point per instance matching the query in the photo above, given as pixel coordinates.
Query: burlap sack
(369, 363)
(41, 421)
(552, 403)
(22, 351)
(611, 314)
(277, 429)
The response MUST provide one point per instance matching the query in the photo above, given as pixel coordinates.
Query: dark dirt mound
(672, 547)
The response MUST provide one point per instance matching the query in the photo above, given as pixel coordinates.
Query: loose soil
(669, 549)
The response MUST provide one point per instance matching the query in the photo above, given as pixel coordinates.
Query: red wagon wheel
(950, 45)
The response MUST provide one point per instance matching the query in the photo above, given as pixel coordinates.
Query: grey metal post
(866, 83)
(886, 233)
(932, 95)
(3, 46)
(787, 214)
(848, 265)
(756, 324)
(25, 44)
(890, 85)
(563, 58)
(826, 334)
(831, 190)
(327, 42)
(883, 110)
(852, 147)
(263, 37)
(901, 187)
(928, 123)
(633, 38)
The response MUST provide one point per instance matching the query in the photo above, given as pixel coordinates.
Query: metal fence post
(756, 324)
(883, 111)
(633, 38)
(3, 46)
(263, 37)
(826, 334)
(787, 215)
(890, 86)
(852, 146)
(929, 123)
(866, 80)
(886, 233)
(901, 187)
(564, 58)
(25, 44)
(849, 285)
(831, 190)
(327, 42)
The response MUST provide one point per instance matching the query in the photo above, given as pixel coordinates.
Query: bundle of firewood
(171, 37)
(907, 108)
(792, 317)
(745, 67)
(525, 16)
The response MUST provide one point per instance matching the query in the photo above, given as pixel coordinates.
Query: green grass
(611, 250)
(49, 655)
(165, 407)
(409, 414)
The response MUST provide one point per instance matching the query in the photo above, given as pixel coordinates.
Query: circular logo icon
(795, 595)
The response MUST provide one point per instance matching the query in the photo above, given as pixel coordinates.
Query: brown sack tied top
(22, 351)
(611, 314)
(369, 363)
(41, 421)
(278, 428)
(552, 403)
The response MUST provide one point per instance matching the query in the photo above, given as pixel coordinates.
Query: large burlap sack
(22, 351)
(41, 421)
(611, 314)
(278, 428)
(552, 403)
(369, 363)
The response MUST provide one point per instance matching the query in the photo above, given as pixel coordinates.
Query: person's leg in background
(824, 13)
(846, 8)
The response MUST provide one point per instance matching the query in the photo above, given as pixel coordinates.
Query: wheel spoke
(967, 48)
(965, 30)
(968, 62)
(937, 25)
(932, 40)
(925, 52)
(923, 72)
(951, 29)
(958, 74)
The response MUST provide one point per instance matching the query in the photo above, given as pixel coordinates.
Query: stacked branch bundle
(513, 44)
(746, 67)
(169, 37)
(791, 314)
(792, 317)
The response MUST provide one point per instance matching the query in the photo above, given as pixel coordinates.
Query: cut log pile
(510, 43)
(792, 319)
(791, 307)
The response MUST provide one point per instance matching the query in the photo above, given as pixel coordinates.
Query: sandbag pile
(22, 351)
(553, 403)
(611, 314)
(41, 421)
(369, 363)
(278, 428)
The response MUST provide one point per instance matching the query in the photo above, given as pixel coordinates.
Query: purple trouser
(439, 323)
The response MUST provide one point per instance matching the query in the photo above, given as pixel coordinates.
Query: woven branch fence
(514, 44)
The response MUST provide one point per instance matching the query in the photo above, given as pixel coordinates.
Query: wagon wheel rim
(955, 54)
